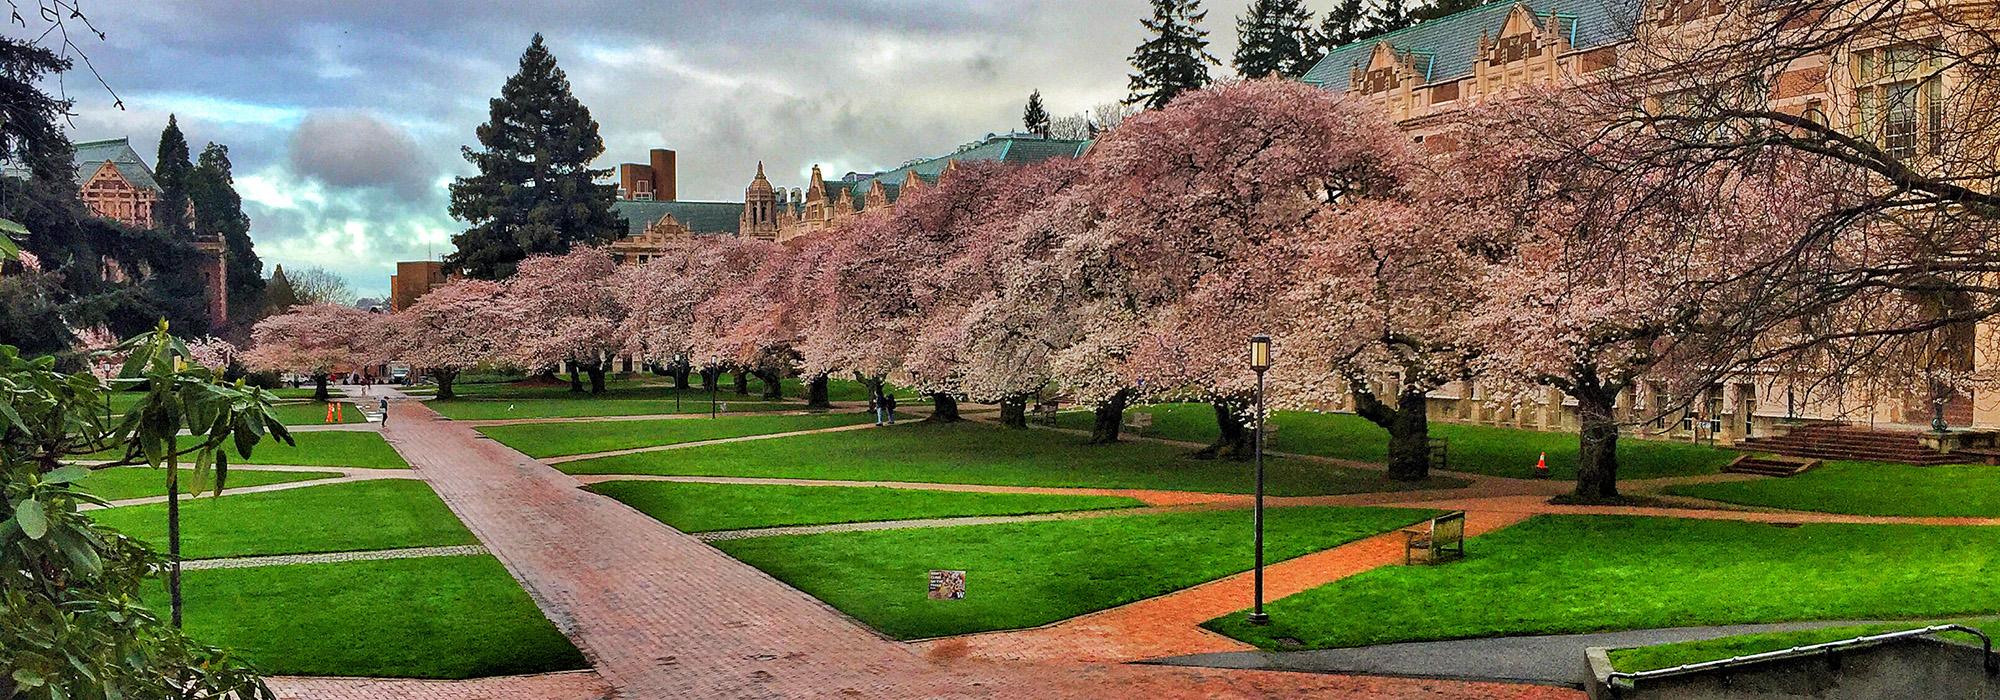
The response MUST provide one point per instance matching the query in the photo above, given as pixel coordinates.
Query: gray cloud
(356, 150)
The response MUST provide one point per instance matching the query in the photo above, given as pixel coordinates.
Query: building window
(1899, 99)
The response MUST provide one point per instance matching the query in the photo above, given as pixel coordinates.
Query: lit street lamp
(1260, 360)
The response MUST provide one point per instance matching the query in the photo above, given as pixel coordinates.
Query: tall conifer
(535, 191)
(1036, 118)
(1175, 59)
(218, 212)
(1274, 37)
(173, 171)
(1342, 26)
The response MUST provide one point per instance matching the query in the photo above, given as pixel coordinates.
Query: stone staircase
(1850, 443)
(1771, 466)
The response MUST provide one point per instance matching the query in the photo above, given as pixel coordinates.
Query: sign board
(947, 585)
(722, 407)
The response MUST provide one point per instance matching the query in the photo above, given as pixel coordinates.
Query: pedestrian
(385, 410)
(889, 408)
(875, 407)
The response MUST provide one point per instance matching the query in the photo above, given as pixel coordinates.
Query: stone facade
(116, 184)
(1877, 88)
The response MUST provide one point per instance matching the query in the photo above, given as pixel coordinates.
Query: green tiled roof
(91, 155)
(1009, 148)
(699, 217)
(1445, 48)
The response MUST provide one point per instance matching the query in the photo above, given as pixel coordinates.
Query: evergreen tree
(174, 173)
(1342, 25)
(1274, 37)
(1391, 16)
(1175, 59)
(535, 191)
(279, 296)
(218, 212)
(1036, 119)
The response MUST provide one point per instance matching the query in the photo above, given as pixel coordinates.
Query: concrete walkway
(489, 422)
(704, 443)
(333, 557)
(1550, 660)
(346, 475)
(918, 523)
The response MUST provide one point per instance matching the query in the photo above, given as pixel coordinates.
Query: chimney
(665, 181)
(630, 179)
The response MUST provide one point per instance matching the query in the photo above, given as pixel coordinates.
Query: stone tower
(760, 209)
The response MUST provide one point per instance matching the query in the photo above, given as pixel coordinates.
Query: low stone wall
(1906, 668)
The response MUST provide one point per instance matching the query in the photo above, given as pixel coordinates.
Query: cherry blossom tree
(567, 311)
(662, 296)
(1189, 196)
(316, 340)
(453, 328)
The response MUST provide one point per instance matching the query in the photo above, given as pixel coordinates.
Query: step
(1770, 466)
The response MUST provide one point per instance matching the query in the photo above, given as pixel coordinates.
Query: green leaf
(11, 228)
(66, 475)
(24, 677)
(33, 520)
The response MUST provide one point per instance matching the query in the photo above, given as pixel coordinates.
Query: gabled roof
(91, 155)
(1445, 48)
(699, 217)
(1008, 148)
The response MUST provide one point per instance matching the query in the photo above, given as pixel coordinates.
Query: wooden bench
(1045, 411)
(1443, 537)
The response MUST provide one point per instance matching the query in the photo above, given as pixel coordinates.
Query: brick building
(1879, 88)
(647, 195)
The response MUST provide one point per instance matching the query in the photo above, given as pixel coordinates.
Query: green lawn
(981, 453)
(436, 617)
(1473, 448)
(1868, 488)
(120, 483)
(386, 514)
(1572, 574)
(553, 439)
(1028, 574)
(333, 448)
(710, 507)
(315, 413)
(564, 407)
(1668, 655)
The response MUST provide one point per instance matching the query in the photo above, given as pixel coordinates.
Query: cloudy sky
(344, 118)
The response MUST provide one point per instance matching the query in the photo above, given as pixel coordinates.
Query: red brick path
(662, 615)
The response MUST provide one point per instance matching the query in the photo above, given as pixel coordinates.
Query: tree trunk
(743, 383)
(575, 382)
(444, 380)
(709, 378)
(596, 371)
(174, 528)
(1233, 440)
(816, 393)
(1409, 429)
(680, 373)
(1109, 419)
(1597, 445)
(944, 409)
(319, 388)
(1014, 412)
(774, 385)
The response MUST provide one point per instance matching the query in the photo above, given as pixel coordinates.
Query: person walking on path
(875, 407)
(889, 409)
(385, 411)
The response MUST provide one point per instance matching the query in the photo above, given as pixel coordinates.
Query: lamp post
(1260, 360)
(680, 363)
(712, 378)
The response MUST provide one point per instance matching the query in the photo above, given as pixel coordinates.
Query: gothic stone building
(1878, 89)
(647, 195)
(115, 183)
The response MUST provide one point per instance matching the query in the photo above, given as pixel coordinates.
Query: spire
(760, 168)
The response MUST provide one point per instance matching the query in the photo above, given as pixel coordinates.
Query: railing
(1627, 680)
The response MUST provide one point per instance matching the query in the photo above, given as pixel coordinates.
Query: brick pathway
(662, 615)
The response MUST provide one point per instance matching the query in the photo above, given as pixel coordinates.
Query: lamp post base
(1257, 618)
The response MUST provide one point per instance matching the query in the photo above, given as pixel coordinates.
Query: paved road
(1550, 660)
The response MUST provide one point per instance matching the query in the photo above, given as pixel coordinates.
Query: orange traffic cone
(338, 415)
(329, 413)
(1542, 466)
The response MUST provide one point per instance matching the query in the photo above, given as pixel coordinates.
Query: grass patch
(1028, 574)
(120, 483)
(386, 514)
(553, 439)
(979, 453)
(436, 617)
(710, 507)
(315, 413)
(1660, 656)
(503, 409)
(1478, 449)
(1574, 574)
(332, 448)
(1868, 488)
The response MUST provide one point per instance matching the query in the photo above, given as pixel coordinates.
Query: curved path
(662, 615)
